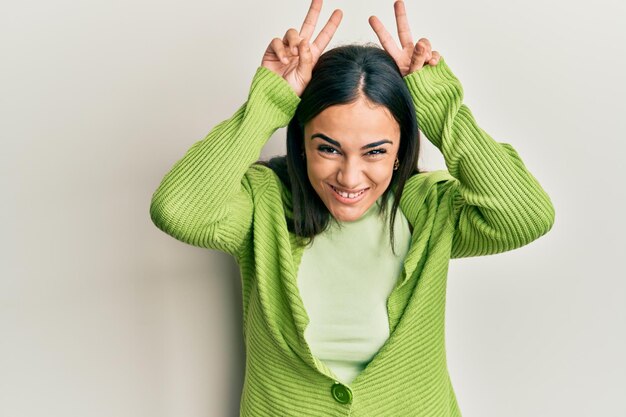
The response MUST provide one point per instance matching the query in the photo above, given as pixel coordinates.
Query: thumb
(305, 63)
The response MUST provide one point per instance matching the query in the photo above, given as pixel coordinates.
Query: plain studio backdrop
(102, 314)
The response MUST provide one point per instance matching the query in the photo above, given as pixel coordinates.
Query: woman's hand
(293, 56)
(411, 57)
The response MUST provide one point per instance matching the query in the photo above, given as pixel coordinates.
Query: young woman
(343, 244)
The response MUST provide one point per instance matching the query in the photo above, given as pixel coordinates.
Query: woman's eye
(326, 149)
(378, 152)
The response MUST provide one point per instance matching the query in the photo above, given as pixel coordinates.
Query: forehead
(358, 121)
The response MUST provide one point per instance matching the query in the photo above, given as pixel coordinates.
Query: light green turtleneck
(344, 280)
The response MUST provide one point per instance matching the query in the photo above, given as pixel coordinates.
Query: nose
(349, 175)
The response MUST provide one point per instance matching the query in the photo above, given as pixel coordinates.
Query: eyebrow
(337, 144)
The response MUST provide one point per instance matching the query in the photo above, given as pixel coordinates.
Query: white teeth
(348, 195)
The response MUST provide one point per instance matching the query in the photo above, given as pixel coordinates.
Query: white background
(102, 314)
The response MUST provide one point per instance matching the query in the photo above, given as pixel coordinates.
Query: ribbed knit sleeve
(206, 198)
(498, 204)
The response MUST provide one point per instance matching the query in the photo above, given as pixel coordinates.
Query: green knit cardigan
(486, 202)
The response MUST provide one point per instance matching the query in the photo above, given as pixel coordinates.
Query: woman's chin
(344, 213)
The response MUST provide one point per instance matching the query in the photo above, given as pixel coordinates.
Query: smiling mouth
(348, 195)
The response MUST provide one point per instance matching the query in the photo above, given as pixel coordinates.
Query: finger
(426, 44)
(292, 39)
(417, 59)
(310, 21)
(305, 63)
(278, 47)
(402, 23)
(425, 41)
(384, 37)
(435, 59)
(323, 38)
(425, 48)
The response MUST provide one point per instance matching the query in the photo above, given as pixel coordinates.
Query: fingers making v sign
(409, 57)
(294, 56)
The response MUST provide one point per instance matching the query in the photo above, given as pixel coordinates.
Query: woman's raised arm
(497, 204)
(206, 199)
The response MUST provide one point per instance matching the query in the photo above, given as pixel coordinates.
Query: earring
(396, 164)
(303, 155)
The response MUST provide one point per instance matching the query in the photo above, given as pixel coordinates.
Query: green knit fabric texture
(485, 203)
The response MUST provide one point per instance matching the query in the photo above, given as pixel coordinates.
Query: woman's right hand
(293, 57)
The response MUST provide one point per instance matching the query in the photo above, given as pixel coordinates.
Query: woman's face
(351, 147)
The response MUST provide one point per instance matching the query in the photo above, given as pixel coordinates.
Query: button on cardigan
(486, 202)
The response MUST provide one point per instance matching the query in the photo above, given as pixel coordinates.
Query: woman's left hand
(411, 57)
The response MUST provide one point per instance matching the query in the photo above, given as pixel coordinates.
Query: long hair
(340, 76)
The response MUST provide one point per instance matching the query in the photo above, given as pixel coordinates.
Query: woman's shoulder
(265, 182)
(426, 179)
(428, 187)
(262, 178)
(258, 172)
